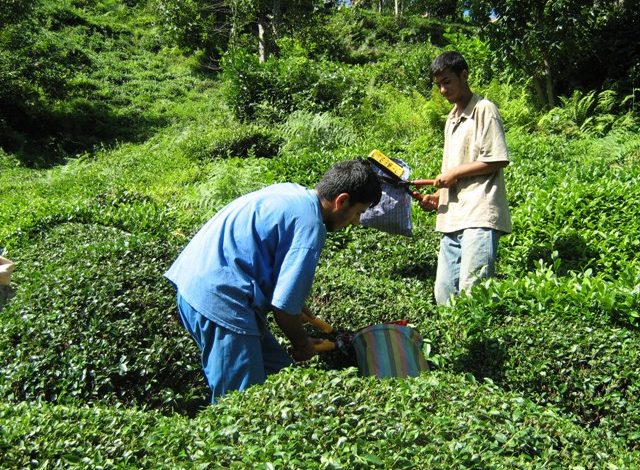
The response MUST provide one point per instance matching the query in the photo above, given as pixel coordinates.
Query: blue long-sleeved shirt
(259, 251)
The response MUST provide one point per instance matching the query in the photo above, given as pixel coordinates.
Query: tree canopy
(561, 44)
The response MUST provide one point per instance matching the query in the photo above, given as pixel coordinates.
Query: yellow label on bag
(386, 163)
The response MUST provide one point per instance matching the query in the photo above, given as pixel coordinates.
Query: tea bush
(190, 24)
(570, 341)
(272, 90)
(398, 119)
(207, 141)
(358, 36)
(576, 206)
(439, 420)
(299, 82)
(96, 323)
(406, 68)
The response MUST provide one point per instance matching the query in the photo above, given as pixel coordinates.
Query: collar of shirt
(466, 113)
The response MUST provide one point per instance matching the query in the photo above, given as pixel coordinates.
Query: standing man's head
(347, 190)
(450, 72)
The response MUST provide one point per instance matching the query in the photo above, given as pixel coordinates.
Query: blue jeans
(232, 361)
(465, 257)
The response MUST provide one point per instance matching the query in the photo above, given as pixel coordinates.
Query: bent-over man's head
(347, 190)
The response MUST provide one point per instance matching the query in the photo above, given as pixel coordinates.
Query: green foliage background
(536, 368)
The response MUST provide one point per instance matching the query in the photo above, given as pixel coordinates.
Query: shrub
(399, 118)
(36, 67)
(96, 323)
(514, 102)
(482, 61)
(566, 341)
(194, 24)
(581, 223)
(406, 68)
(227, 181)
(360, 36)
(438, 420)
(584, 114)
(274, 89)
(207, 141)
(304, 167)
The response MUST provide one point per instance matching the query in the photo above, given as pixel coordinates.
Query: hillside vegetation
(102, 184)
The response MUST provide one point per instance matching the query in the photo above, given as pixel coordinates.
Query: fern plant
(305, 130)
(587, 114)
(229, 179)
(578, 107)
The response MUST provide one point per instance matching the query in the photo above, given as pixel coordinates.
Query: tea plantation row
(303, 418)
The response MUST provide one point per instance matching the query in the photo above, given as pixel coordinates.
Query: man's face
(346, 214)
(450, 85)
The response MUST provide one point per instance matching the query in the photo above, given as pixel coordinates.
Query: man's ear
(340, 200)
(464, 75)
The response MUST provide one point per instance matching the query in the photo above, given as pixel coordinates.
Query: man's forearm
(291, 326)
(467, 170)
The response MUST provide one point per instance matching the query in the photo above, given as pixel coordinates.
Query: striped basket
(389, 350)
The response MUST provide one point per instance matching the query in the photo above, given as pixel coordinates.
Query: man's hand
(446, 180)
(430, 201)
(467, 170)
(291, 325)
(307, 311)
(304, 351)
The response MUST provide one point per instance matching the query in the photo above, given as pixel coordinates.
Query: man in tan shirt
(471, 202)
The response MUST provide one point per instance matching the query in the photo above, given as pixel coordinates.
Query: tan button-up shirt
(478, 201)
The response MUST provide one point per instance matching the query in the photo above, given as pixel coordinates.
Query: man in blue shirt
(259, 254)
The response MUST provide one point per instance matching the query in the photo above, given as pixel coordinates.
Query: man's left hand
(446, 180)
(305, 351)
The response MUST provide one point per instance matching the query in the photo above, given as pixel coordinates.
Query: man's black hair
(450, 60)
(354, 177)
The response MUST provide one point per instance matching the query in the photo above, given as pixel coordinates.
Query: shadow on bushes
(259, 143)
(573, 254)
(6, 294)
(484, 359)
(43, 138)
(425, 270)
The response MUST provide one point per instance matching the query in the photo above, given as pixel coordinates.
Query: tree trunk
(263, 41)
(551, 96)
(538, 84)
(276, 22)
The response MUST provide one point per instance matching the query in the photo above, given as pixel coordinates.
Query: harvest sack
(393, 213)
(389, 350)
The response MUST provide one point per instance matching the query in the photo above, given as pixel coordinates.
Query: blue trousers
(466, 257)
(232, 361)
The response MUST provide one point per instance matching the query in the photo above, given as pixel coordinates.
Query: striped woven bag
(389, 350)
